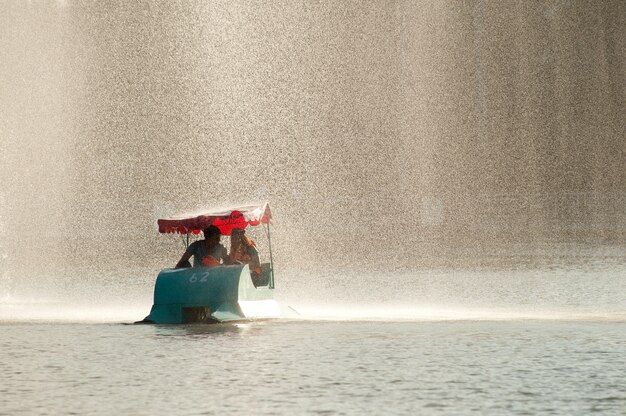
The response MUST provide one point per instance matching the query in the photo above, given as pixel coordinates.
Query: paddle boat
(221, 293)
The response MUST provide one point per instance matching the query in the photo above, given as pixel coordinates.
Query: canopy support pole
(185, 242)
(269, 240)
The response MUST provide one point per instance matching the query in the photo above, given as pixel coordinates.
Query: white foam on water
(14, 309)
(445, 313)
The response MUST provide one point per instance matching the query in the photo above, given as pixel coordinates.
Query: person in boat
(243, 251)
(208, 252)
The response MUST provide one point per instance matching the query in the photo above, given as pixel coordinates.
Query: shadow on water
(203, 330)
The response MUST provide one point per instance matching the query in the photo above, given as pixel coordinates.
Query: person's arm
(256, 262)
(228, 258)
(191, 250)
(185, 258)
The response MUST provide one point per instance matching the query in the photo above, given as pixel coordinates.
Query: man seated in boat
(243, 251)
(208, 252)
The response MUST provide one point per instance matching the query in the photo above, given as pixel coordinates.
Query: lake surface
(315, 367)
(516, 342)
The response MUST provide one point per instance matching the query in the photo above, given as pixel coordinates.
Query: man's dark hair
(211, 231)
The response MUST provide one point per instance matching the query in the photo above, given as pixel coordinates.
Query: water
(316, 367)
(460, 342)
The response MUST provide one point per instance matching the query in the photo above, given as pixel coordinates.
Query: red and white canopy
(224, 219)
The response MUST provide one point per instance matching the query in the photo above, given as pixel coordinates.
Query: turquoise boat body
(211, 294)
